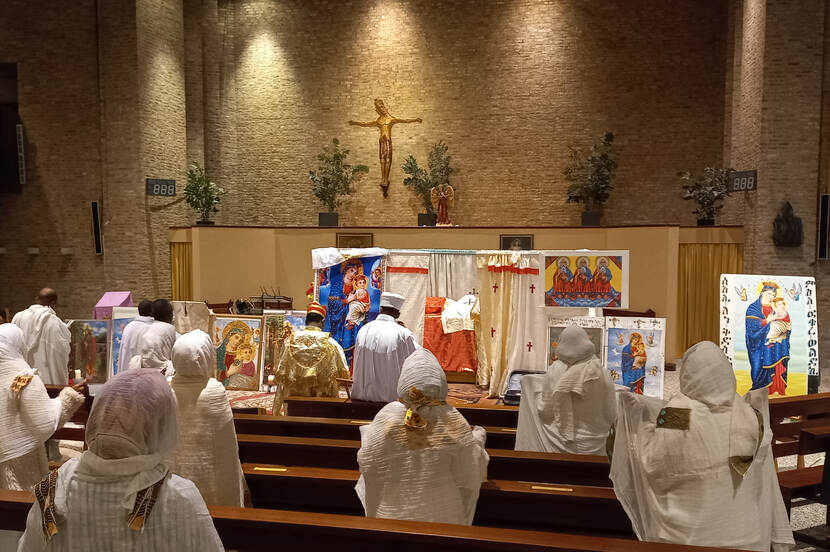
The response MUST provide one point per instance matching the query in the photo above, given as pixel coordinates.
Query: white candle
(271, 380)
(77, 375)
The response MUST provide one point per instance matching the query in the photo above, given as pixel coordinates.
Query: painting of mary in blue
(632, 362)
(768, 330)
(338, 294)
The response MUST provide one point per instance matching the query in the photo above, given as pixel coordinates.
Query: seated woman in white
(698, 470)
(571, 408)
(120, 495)
(207, 452)
(155, 348)
(419, 459)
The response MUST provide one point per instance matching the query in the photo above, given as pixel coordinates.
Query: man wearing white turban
(698, 470)
(155, 348)
(120, 495)
(571, 408)
(207, 452)
(419, 459)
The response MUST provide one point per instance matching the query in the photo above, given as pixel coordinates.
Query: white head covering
(422, 386)
(707, 376)
(194, 356)
(389, 299)
(12, 344)
(156, 345)
(130, 431)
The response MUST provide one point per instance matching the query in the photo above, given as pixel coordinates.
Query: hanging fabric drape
(408, 274)
(526, 347)
(495, 284)
(181, 270)
(452, 275)
(699, 268)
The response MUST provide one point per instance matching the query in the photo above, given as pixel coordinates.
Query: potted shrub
(708, 191)
(590, 178)
(423, 182)
(202, 194)
(333, 179)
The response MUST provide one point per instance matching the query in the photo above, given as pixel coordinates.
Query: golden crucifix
(384, 123)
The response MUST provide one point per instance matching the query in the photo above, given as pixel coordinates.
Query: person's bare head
(380, 107)
(145, 308)
(163, 310)
(391, 311)
(47, 297)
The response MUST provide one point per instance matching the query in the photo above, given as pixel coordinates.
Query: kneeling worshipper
(419, 459)
(381, 347)
(155, 348)
(571, 408)
(310, 361)
(28, 417)
(120, 495)
(207, 452)
(698, 470)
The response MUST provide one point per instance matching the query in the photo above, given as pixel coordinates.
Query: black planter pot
(590, 218)
(706, 222)
(205, 223)
(427, 219)
(327, 219)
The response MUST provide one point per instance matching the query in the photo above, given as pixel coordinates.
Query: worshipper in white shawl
(419, 459)
(47, 338)
(698, 470)
(120, 495)
(155, 348)
(382, 346)
(571, 408)
(133, 332)
(207, 452)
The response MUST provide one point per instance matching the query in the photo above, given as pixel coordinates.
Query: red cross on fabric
(532, 288)
(492, 332)
(495, 287)
(529, 346)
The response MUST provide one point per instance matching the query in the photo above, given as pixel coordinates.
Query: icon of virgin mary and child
(235, 356)
(768, 329)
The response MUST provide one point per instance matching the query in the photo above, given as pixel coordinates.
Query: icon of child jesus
(781, 326)
(242, 371)
(359, 302)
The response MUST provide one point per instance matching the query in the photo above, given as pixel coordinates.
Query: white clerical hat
(391, 300)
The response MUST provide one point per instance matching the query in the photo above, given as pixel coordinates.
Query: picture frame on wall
(349, 240)
(516, 242)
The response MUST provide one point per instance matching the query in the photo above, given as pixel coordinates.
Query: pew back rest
(789, 415)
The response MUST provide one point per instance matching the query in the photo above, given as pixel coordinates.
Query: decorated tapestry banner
(769, 331)
(635, 353)
(593, 325)
(238, 341)
(587, 279)
(279, 325)
(350, 291)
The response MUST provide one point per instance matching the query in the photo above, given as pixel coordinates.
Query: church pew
(256, 529)
(337, 428)
(504, 464)
(516, 504)
(808, 410)
(495, 416)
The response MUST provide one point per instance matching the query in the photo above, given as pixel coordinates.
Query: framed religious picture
(88, 344)
(238, 341)
(121, 316)
(769, 331)
(516, 242)
(635, 353)
(278, 325)
(593, 325)
(588, 279)
(354, 241)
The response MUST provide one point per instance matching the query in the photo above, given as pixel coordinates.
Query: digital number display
(161, 187)
(743, 181)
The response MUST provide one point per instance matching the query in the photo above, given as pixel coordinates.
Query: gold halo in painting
(770, 283)
(246, 329)
(563, 261)
(600, 259)
(580, 259)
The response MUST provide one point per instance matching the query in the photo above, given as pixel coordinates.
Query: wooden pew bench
(542, 467)
(513, 504)
(255, 530)
(494, 416)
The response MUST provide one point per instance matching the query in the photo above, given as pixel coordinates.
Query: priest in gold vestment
(310, 361)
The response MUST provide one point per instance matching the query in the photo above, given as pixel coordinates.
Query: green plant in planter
(591, 176)
(334, 177)
(201, 193)
(422, 181)
(708, 190)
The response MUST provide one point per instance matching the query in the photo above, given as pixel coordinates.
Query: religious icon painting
(278, 325)
(593, 325)
(121, 316)
(588, 279)
(238, 341)
(350, 291)
(635, 353)
(769, 331)
(516, 242)
(88, 344)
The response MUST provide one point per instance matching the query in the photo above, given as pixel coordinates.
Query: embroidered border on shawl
(45, 494)
(144, 502)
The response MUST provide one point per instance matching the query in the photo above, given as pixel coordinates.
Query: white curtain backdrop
(495, 281)
(452, 275)
(526, 347)
(408, 274)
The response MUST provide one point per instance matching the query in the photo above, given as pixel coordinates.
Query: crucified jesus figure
(384, 124)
